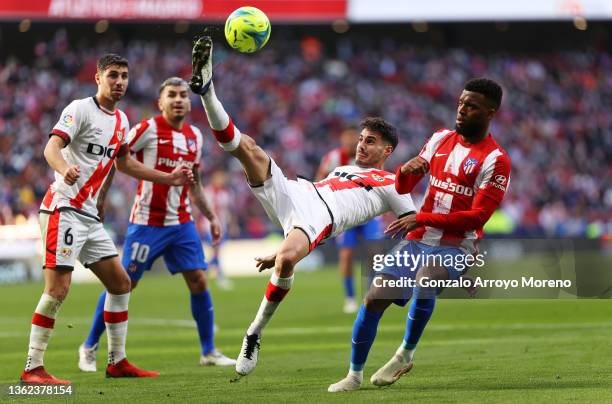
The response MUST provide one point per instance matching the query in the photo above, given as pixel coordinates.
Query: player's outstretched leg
(118, 286)
(89, 348)
(57, 283)
(292, 250)
(255, 161)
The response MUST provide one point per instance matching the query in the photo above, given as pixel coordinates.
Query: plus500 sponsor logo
(163, 161)
(450, 186)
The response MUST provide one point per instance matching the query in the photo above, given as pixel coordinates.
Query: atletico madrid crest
(468, 166)
(192, 145)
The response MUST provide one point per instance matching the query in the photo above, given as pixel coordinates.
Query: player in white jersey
(349, 240)
(307, 212)
(161, 224)
(82, 147)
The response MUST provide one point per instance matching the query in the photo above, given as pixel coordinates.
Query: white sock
(356, 374)
(405, 354)
(227, 135)
(275, 292)
(116, 320)
(43, 322)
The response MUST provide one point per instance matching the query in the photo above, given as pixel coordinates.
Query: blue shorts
(420, 254)
(180, 246)
(371, 230)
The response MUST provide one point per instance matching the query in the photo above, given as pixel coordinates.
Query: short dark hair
(379, 125)
(172, 81)
(110, 59)
(487, 87)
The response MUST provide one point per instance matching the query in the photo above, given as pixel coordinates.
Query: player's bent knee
(196, 281)
(373, 304)
(120, 286)
(285, 261)
(59, 292)
(133, 284)
(435, 273)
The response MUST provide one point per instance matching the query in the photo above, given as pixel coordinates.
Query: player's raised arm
(199, 199)
(56, 161)
(491, 191)
(492, 186)
(409, 174)
(132, 167)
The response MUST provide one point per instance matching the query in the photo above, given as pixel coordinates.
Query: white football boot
(216, 358)
(247, 359)
(391, 371)
(87, 358)
(350, 306)
(349, 383)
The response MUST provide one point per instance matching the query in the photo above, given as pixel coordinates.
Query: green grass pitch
(472, 350)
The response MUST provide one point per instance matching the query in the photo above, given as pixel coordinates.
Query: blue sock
(364, 332)
(97, 326)
(421, 308)
(349, 288)
(202, 311)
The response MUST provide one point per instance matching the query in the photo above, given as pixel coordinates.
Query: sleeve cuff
(65, 137)
(420, 218)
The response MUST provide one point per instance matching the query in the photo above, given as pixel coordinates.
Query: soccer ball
(247, 29)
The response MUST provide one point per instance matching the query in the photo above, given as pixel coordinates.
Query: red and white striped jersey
(94, 138)
(221, 201)
(458, 172)
(355, 195)
(335, 158)
(157, 145)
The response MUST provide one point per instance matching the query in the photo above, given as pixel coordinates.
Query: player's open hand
(181, 175)
(72, 174)
(400, 227)
(215, 230)
(415, 166)
(264, 263)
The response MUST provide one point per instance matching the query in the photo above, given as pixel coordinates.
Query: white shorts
(68, 236)
(294, 204)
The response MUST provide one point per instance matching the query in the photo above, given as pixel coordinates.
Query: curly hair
(487, 87)
(379, 125)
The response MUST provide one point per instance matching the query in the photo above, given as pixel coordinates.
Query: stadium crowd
(296, 96)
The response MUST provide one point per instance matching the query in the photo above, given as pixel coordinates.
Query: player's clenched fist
(181, 175)
(416, 166)
(72, 174)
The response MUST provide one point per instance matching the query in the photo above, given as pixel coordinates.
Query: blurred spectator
(295, 97)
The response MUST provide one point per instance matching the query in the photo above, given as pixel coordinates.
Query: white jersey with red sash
(94, 138)
(355, 195)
